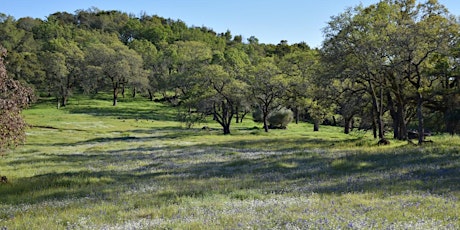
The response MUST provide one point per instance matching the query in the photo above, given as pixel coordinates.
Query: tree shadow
(194, 170)
(358, 172)
(124, 113)
(163, 133)
(69, 185)
(289, 144)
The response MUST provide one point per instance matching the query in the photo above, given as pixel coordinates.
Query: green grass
(94, 166)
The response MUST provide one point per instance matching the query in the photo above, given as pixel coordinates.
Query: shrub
(280, 119)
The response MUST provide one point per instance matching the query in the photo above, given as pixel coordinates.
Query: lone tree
(13, 98)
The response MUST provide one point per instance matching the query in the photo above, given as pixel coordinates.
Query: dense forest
(391, 67)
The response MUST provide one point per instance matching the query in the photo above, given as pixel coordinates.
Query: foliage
(267, 87)
(390, 65)
(300, 68)
(117, 64)
(64, 66)
(280, 118)
(13, 98)
(387, 50)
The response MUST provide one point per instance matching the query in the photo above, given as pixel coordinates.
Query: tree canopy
(390, 66)
(13, 98)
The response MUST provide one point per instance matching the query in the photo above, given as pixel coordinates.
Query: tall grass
(94, 166)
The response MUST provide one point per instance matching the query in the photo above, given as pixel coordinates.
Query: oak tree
(13, 98)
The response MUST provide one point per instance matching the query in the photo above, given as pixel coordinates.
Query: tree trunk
(401, 120)
(64, 100)
(123, 90)
(397, 107)
(380, 127)
(421, 131)
(242, 116)
(265, 123)
(374, 129)
(348, 124)
(115, 96)
(226, 129)
(402, 125)
(380, 111)
(150, 95)
(226, 121)
(418, 87)
(223, 114)
(315, 125)
(64, 96)
(377, 108)
(394, 115)
(134, 92)
(374, 124)
(237, 115)
(376, 120)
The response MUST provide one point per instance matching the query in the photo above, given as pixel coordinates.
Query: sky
(270, 21)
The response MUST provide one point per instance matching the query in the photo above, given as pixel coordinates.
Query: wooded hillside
(391, 66)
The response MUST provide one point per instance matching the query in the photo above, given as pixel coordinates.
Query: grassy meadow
(94, 166)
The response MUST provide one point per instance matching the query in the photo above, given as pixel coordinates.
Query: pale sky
(268, 20)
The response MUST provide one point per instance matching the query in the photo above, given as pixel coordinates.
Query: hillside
(95, 166)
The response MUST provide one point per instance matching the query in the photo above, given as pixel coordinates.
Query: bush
(280, 119)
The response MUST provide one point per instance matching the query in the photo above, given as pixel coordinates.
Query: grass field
(94, 166)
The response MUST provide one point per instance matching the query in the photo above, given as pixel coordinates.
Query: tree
(10, 36)
(444, 96)
(149, 54)
(299, 67)
(116, 63)
(221, 94)
(387, 47)
(56, 72)
(64, 67)
(163, 71)
(186, 60)
(235, 62)
(13, 98)
(354, 48)
(351, 100)
(18, 38)
(267, 87)
(154, 29)
(419, 32)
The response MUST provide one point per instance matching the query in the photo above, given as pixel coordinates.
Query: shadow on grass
(163, 133)
(70, 185)
(360, 172)
(128, 108)
(293, 143)
(266, 165)
(125, 113)
(225, 169)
